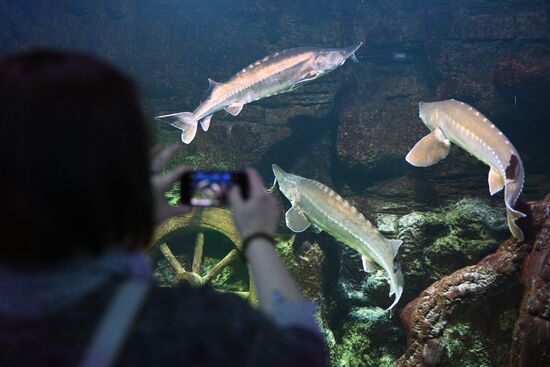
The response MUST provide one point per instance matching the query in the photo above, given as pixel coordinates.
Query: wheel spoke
(221, 265)
(181, 274)
(197, 256)
(201, 220)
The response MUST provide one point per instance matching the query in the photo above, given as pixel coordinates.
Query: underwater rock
(366, 339)
(305, 260)
(513, 71)
(375, 131)
(427, 317)
(531, 340)
(446, 239)
(227, 146)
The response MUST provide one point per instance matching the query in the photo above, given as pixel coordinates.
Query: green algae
(358, 349)
(508, 320)
(450, 238)
(466, 346)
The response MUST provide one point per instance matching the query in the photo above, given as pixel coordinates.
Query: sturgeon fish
(274, 74)
(457, 122)
(314, 203)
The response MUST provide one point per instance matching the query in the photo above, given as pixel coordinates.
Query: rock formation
(531, 340)
(427, 317)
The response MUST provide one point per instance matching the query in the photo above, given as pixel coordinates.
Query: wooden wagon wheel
(201, 220)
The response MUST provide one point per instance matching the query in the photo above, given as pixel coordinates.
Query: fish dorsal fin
(234, 108)
(395, 246)
(368, 265)
(430, 149)
(296, 220)
(496, 181)
(212, 85)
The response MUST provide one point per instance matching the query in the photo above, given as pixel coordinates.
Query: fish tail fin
(395, 244)
(185, 121)
(511, 217)
(397, 287)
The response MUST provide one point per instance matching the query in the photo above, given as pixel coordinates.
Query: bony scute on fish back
(456, 122)
(279, 73)
(313, 202)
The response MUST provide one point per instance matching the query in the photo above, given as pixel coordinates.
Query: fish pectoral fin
(296, 220)
(310, 75)
(234, 109)
(496, 181)
(368, 265)
(205, 123)
(430, 149)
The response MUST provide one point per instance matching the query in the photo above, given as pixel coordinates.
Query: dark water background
(350, 129)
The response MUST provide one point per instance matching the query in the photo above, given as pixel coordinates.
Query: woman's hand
(162, 182)
(258, 214)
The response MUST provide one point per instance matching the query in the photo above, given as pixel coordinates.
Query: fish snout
(421, 109)
(350, 51)
(277, 171)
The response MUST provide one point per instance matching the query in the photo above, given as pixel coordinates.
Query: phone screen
(209, 188)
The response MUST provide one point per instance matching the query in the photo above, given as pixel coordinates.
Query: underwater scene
(407, 143)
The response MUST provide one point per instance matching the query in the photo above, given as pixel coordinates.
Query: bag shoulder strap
(115, 324)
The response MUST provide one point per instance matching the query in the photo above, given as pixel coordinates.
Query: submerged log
(426, 317)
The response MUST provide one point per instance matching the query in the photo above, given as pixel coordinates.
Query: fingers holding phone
(258, 212)
(162, 181)
(210, 188)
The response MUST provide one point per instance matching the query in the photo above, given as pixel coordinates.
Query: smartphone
(210, 188)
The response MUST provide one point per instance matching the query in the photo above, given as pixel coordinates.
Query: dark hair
(73, 158)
